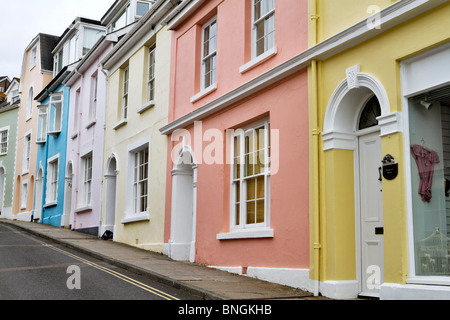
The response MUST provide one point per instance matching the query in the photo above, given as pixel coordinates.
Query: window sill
(246, 234)
(50, 204)
(135, 218)
(74, 136)
(41, 142)
(83, 209)
(24, 172)
(204, 92)
(120, 124)
(258, 60)
(54, 133)
(91, 123)
(146, 106)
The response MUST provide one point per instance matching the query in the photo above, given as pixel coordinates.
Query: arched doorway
(184, 207)
(357, 117)
(109, 221)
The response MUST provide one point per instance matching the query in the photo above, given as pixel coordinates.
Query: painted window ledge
(246, 234)
(204, 92)
(146, 106)
(258, 60)
(121, 123)
(83, 209)
(135, 218)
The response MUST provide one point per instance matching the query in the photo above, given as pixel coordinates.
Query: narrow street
(35, 269)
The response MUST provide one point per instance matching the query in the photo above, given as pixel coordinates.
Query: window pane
(260, 211)
(142, 8)
(251, 189)
(251, 212)
(260, 187)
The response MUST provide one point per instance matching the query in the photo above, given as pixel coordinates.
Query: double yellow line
(115, 274)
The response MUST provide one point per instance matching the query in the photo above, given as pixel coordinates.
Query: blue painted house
(51, 154)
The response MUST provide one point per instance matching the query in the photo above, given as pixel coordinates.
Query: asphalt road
(35, 269)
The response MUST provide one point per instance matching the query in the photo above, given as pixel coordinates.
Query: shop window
(429, 117)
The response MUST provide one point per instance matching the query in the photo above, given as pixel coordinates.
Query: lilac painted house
(84, 163)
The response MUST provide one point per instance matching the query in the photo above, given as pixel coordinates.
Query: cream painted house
(135, 151)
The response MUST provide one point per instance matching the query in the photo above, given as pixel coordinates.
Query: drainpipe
(105, 104)
(315, 150)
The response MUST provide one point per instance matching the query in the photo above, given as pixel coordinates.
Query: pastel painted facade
(237, 172)
(51, 153)
(137, 106)
(84, 164)
(37, 70)
(9, 111)
(379, 99)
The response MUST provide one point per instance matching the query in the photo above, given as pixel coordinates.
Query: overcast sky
(22, 20)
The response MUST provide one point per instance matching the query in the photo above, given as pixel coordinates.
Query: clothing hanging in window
(425, 160)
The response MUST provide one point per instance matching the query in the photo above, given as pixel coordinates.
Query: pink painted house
(237, 188)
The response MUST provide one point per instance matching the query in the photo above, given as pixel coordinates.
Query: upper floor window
(151, 73)
(209, 52)
(55, 114)
(93, 105)
(126, 75)
(3, 141)
(33, 57)
(30, 102)
(263, 25)
(42, 124)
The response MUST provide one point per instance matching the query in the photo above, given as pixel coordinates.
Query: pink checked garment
(425, 161)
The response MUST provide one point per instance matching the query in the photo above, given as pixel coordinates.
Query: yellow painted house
(137, 107)
(379, 148)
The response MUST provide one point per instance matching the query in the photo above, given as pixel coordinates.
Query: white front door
(371, 214)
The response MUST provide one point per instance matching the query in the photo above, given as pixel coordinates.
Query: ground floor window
(429, 117)
(250, 176)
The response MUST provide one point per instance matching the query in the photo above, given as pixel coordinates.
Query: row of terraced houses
(302, 142)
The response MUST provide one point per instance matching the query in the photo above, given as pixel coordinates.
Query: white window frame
(33, 57)
(4, 144)
(29, 109)
(125, 87)
(26, 152)
(242, 229)
(55, 109)
(86, 179)
(131, 214)
(206, 58)
(151, 73)
(51, 195)
(255, 22)
(94, 97)
(42, 124)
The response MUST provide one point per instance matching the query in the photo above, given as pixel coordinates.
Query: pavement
(204, 282)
